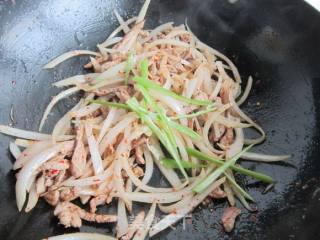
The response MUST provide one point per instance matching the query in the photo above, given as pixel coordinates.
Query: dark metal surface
(275, 41)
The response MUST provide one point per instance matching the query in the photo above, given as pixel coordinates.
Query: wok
(277, 42)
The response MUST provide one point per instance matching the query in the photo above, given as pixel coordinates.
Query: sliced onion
(81, 236)
(249, 120)
(259, 157)
(128, 188)
(190, 88)
(136, 181)
(30, 152)
(119, 29)
(183, 210)
(75, 80)
(33, 198)
(172, 42)
(217, 89)
(68, 55)
(134, 225)
(111, 41)
(54, 101)
(14, 150)
(246, 92)
(167, 197)
(94, 150)
(237, 145)
(143, 231)
(123, 25)
(157, 30)
(110, 119)
(230, 123)
(88, 181)
(30, 134)
(27, 171)
(169, 174)
(122, 225)
(110, 73)
(110, 137)
(148, 166)
(64, 123)
(143, 11)
(23, 142)
(171, 208)
(85, 110)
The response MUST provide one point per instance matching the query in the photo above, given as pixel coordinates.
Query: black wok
(275, 41)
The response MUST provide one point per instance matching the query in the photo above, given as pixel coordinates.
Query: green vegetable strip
(128, 67)
(220, 170)
(164, 122)
(185, 130)
(172, 164)
(110, 104)
(151, 85)
(262, 177)
(199, 113)
(240, 189)
(144, 81)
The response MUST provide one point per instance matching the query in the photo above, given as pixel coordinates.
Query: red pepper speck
(54, 171)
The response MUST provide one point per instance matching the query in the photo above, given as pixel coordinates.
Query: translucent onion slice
(143, 11)
(246, 92)
(259, 157)
(75, 80)
(27, 171)
(81, 236)
(30, 152)
(14, 150)
(33, 198)
(184, 210)
(123, 25)
(122, 224)
(143, 231)
(15, 132)
(68, 55)
(94, 150)
(54, 101)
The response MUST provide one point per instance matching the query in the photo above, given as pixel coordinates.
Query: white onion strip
(54, 101)
(68, 55)
(27, 171)
(143, 231)
(122, 225)
(75, 80)
(94, 150)
(246, 92)
(143, 11)
(136, 181)
(123, 25)
(259, 157)
(15, 132)
(181, 212)
(33, 198)
(81, 236)
(14, 150)
(107, 123)
(30, 152)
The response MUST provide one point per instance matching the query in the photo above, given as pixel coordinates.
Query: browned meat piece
(94, 202)
(228, 137)
(218, 193)
(123, 95)
(52, 197)
(228, 218)
(138, 142)
(139, 155)
(138, 171)
(79, 158)
(70, 214)
(105, 91)
(68, 194)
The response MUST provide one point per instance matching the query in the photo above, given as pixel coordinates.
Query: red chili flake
(61, 161)
(25, 154)
(54, 171)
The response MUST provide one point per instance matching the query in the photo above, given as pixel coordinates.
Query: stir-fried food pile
(157, 100)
